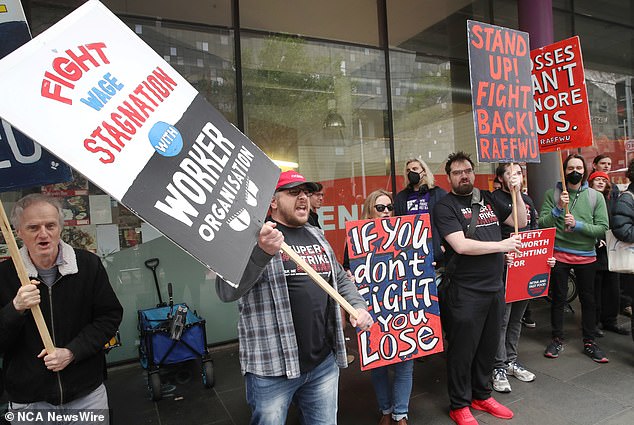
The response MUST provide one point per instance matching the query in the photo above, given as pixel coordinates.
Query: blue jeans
(393, 398)
(314, 393)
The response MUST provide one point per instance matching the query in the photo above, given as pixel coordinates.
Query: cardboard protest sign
(561, 98)
(23, 163)
(96, 95)
(529, 274)
(391, 261)
(503, 107)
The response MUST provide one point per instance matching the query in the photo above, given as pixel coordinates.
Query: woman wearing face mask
(577, 231)
(419, 197)
(606, 283)
(392, 394)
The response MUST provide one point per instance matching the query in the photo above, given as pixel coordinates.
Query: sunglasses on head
(381, 207)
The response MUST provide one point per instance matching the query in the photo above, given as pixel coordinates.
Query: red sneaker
(493, 407)
(463, 416)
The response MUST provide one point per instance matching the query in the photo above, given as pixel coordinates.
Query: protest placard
(93, 93)
(391, 261)
(501, 92)
(561, 98)
(23, 163)
(529, 274)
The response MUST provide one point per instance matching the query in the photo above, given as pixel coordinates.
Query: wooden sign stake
(319, 280)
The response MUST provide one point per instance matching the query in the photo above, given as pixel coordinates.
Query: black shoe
(617, 329)
(591, 350)
(528, 322)
(553, 349)
(598, 332)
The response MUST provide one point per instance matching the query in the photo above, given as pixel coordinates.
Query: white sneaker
(500, 381)
(517, 370)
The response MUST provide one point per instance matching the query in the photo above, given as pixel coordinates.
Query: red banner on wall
(391, 261)
(561, 100)
(529, 274)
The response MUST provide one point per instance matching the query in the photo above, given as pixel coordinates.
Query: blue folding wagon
(169, 335)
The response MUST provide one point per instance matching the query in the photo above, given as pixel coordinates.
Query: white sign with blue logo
(93, 93)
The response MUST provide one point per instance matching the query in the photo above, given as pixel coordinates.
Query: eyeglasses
(318, 194)
(295, 191)
(457, 173)
(381, 207)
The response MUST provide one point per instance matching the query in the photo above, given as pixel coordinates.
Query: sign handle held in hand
(563, 178)
(24, 279)
(319, 280)
(514, 200)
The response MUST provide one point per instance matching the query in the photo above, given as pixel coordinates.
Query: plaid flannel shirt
(268, 346)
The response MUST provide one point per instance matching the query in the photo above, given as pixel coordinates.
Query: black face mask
(413, 177)
(574, 177)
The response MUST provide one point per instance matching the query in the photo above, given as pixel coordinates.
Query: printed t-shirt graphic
(309, 303)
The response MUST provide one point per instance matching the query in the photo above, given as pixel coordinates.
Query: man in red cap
(291, 339)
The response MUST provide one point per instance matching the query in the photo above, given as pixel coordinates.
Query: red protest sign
(561, 100)
(391, 261)
(529, 274)
(503, 110)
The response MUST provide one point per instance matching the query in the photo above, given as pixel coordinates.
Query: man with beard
(578, 228)
(291, 336)
(472, 293)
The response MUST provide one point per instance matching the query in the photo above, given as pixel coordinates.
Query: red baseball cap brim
(290, 179)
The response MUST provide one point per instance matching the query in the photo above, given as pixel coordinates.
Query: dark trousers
(627, 283)
(607, 295)
(585, 274)
(472, 321)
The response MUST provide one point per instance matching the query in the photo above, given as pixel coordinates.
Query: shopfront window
(431, 94)
(352, 21)
(203, 56)
(320, 108)
(428, 124)
(607, 10)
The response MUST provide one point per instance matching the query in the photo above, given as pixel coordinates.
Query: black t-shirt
(309, 303)
(531, 213)
(453, 214)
